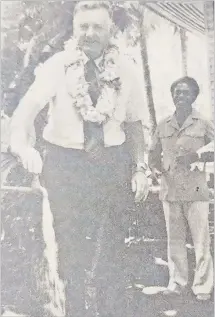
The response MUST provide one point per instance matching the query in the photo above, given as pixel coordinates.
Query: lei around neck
(108, 80)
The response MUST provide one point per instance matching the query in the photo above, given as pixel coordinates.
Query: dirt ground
(22, 251)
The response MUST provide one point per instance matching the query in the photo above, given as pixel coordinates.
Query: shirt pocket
(197, 132)
(192, 139)
(167, 137)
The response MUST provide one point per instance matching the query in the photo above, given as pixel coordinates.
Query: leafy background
(31, 32)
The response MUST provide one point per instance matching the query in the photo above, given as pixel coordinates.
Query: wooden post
(147, 75)
(183, 39)
(209, 26)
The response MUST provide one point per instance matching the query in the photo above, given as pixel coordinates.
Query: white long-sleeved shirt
(65, 125)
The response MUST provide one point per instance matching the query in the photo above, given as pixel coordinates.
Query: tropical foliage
(40, 30)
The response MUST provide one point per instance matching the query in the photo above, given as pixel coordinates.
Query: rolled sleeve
(36, 98)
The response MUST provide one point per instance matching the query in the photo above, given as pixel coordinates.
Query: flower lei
(108, 80)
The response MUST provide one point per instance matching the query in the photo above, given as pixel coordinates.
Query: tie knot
(91, 63)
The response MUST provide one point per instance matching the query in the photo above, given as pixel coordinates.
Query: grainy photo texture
(107, 155)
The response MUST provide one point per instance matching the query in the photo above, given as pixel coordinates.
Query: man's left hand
(140, 186)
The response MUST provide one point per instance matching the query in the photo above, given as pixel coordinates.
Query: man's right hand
(31, 160)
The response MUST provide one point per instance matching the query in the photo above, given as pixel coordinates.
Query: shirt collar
(196, 114)
(96, 61)
(189, 121)
(172, 120)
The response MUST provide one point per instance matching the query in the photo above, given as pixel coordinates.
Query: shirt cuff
(141, 167)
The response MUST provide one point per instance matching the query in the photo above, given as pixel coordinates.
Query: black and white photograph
(107, 158)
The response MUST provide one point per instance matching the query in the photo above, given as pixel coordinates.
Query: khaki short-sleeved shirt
(169, 142)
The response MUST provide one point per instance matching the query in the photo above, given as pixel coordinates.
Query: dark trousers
(91, 200)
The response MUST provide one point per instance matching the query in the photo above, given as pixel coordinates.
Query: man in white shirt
(89, 170)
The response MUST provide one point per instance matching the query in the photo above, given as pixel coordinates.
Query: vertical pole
(183, 39)
(147, 75)
(209, 26)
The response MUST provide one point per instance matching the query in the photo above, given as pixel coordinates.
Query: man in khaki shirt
(184, 191)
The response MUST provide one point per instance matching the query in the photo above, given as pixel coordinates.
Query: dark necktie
(93, 132)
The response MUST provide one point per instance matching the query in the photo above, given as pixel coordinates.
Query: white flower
(109, 75)
(75, 82)
(107, 101)
(90, 114)
(84, 101)
(78, 87)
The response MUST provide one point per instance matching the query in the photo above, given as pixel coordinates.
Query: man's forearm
(155, 153)
(154, 160)
(22, 132)
(20, 139)
(135, 141)
(206, 153)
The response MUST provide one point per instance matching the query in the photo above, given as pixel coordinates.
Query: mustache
(90, 40)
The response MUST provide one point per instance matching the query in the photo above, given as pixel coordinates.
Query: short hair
(91, 5)
(191, 82)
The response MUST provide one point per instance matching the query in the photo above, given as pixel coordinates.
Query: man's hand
(31, 160)
(140, 186)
